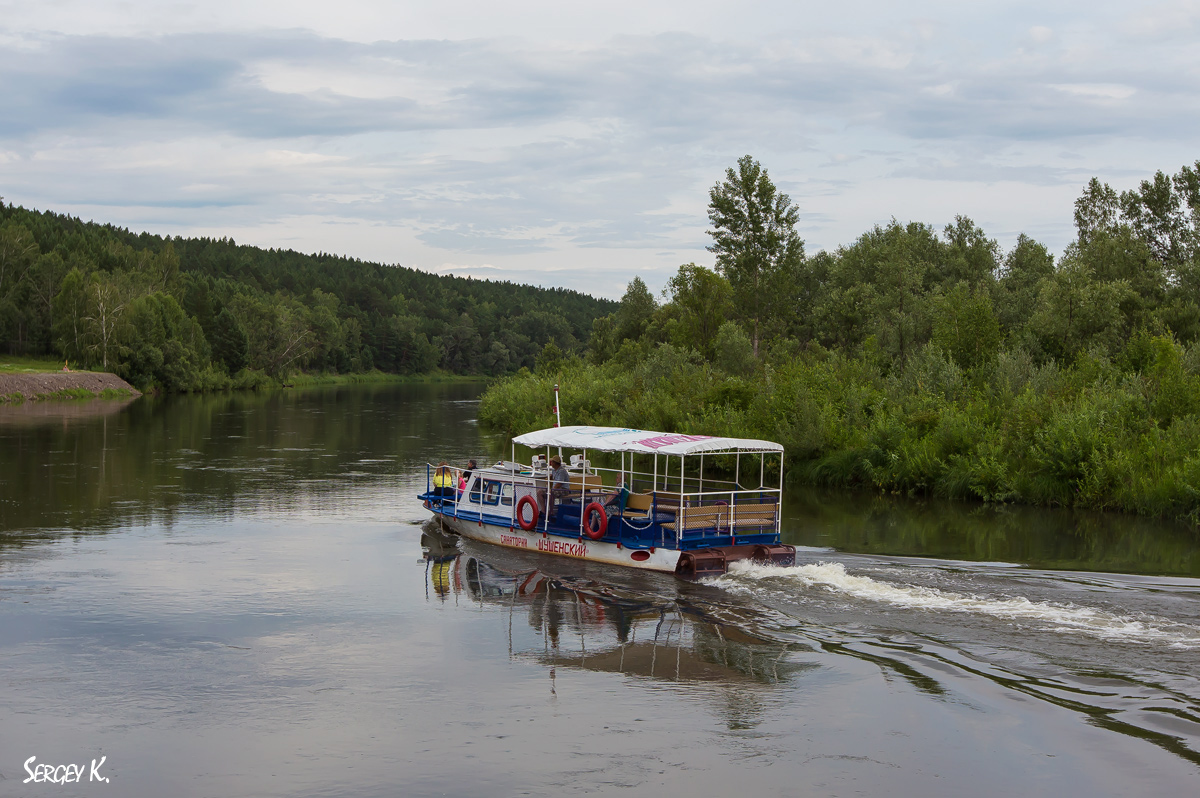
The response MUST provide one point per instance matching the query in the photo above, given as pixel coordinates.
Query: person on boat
(443, 480)
(466, 476)
(616, 502)
(560, 483)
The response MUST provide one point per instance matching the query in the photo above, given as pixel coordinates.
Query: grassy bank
(1120, 434)
(20, 364)
(29, 380)
(64, 394)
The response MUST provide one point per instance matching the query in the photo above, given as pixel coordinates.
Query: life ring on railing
(598, 532)
(527, 525)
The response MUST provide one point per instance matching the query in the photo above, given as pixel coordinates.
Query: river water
(240, 596)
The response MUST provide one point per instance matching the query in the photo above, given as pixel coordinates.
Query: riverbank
(23, 386)
(373, 377)
(1096, 434)
(29, 379)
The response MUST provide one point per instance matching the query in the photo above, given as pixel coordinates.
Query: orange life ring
(599, 532)
(521, 516)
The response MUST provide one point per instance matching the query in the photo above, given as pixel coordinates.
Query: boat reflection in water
(583, 623)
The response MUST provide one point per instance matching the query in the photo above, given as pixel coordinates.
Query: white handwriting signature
(62, 774)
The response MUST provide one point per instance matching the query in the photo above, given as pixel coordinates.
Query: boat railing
(447, 504)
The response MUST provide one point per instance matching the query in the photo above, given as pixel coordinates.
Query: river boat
(647, 503)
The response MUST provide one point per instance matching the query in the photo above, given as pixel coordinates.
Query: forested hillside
(199, 313)
(919, 361)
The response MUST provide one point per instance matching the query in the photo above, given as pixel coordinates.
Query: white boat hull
(658, 559)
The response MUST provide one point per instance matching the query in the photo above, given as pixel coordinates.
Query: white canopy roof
(621, 439)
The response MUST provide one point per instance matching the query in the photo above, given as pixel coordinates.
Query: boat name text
(563, 547)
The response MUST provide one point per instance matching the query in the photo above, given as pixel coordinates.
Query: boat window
(474, 494)
(491, 492)
(506, 493)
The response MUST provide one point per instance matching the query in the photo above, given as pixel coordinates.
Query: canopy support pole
(549, 497)
(681, 515)
(779, 499)
(583, 494)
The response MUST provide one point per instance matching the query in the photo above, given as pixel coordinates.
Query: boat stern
(715, 561)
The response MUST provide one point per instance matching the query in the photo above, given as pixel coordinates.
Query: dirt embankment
(46, 385)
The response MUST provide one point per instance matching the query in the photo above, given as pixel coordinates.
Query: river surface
(241, 596)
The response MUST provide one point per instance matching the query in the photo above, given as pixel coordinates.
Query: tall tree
(107, 298)
(70, 307)
(1017, 289)
(1077, 311)
(18, 251)
(637, 308)
(229, 342)
(1096, 210)
(701, 299)
(756, 243)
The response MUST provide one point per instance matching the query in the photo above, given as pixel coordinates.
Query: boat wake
(748, 578)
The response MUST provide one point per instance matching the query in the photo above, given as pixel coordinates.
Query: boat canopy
(623, 439)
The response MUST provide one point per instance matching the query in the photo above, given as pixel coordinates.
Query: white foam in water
(1086, 620)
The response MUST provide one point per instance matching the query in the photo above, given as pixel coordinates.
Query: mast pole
(557, 416)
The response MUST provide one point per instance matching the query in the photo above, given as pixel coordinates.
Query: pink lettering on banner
(660, 441)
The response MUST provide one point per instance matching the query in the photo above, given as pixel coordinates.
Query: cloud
(974, 170)
(677, 87)
(1164, 21)
(511, 150)
(1104, 92)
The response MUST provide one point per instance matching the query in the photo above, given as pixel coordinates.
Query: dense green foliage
(193, 314)
(926, 363)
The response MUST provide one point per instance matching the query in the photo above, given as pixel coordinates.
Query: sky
(574, 144)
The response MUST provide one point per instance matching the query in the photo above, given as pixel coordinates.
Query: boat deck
(750, 520)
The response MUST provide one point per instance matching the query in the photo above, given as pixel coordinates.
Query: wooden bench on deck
(575, 487)
(745, 515)
(593, 482)
(638, 505)
(718, 517)
(667, 502)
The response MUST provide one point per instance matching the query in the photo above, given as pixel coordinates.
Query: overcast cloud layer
(575, 146)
